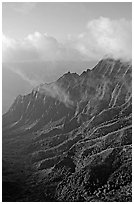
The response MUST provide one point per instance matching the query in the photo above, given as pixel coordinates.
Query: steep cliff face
(77, 134)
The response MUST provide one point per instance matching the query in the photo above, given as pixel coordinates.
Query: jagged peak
(68, 75)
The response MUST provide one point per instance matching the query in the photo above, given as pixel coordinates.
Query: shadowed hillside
(71, 140)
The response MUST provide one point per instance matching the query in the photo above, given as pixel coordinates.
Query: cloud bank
(107, 37)
(102, 37)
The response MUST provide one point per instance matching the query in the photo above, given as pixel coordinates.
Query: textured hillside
(71, 140)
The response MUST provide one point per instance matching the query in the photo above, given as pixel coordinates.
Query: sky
(57, 19)
(41, 41)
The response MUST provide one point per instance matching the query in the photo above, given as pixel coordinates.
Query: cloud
(102, 37)
(37, 46)
(14, 50)
(106, 37)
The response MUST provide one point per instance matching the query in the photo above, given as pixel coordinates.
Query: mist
(55, 91)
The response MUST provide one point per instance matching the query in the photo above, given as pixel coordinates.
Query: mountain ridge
(69, 128)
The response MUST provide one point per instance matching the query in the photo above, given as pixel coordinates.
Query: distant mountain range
(71, 140)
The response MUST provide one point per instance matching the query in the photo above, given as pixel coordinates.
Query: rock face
(72, 138)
